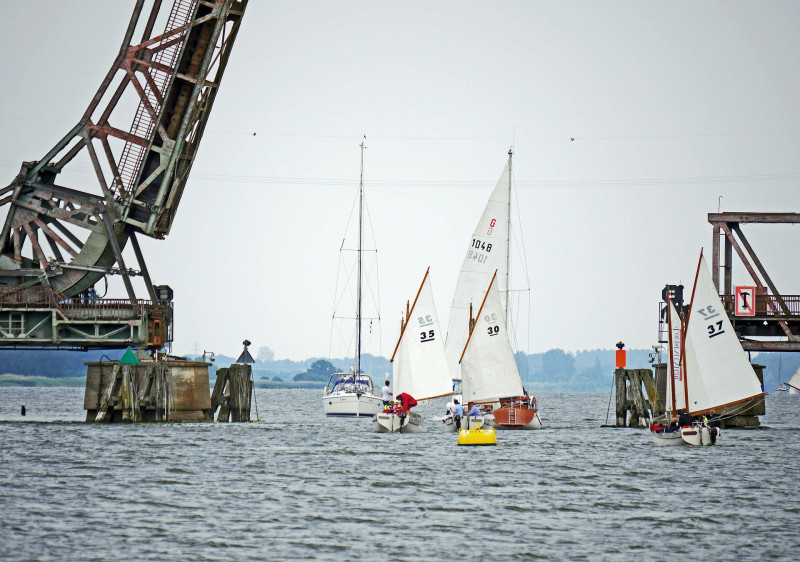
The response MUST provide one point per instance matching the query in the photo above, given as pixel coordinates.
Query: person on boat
(685, 419)
(673, 426)
(712, 420)
(386, 394)
(458, 411)
(474, 411)
(406, 401)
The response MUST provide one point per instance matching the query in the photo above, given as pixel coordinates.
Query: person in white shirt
(386, 394)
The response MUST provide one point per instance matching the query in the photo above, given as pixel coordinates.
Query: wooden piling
(233, 391)
(632, 408)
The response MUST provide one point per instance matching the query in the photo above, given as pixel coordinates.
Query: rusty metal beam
(750, 345)
(768, 218)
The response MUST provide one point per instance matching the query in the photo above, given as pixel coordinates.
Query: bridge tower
(776, 316)
(141, 133)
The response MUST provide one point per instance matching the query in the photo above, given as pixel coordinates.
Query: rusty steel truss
(777, 315)
(140, 134)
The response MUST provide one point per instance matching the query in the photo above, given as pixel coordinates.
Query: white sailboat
(487, 258)
(353, 394)
(488, 252)
(717, 373)
(781, 385)
(419, 363)
(667, 432)
(489, 373)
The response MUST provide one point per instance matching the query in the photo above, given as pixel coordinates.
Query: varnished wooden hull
(515, 417)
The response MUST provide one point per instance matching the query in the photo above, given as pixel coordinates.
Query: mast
(508, 245)
(671, 350)
(686, 331)
(358, 280)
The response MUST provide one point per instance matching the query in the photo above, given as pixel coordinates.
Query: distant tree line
(554, 370)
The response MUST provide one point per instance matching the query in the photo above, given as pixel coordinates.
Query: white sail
(794, 382)
(717, 370)
(488, 368)
(675, 364)
(419, 363)
(487, 252)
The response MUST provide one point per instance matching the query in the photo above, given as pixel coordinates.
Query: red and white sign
(745, 301)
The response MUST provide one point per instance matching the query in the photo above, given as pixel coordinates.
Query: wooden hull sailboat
(489, 374)
(419, 364)
(519, 413)
(495, 382)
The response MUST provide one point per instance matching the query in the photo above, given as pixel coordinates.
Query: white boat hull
(349, 404)
(393, 423)
(449, 423)
(667, 438)
(697, 436)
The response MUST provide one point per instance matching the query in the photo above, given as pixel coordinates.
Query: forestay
(488, 368)
(487, 252)
(718, 372)
(419, 363)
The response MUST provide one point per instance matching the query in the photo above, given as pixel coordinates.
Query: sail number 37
(714, 328)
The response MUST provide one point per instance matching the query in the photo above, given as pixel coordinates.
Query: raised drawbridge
(139, 135)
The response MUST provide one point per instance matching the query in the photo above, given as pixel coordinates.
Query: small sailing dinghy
(353, 394)
(419, 364)
(717, 373)
(489, 373)
(667, 432)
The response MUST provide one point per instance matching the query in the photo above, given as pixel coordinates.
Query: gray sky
(671, 105)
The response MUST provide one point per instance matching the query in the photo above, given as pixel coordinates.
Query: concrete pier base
(152, 391)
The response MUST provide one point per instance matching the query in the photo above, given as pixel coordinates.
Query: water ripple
(301, 486)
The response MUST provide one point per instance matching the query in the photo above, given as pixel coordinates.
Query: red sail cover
(406, 400)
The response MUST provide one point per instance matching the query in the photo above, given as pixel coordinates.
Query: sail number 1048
(476, 251)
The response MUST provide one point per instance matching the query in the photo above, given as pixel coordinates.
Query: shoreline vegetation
(552, 371)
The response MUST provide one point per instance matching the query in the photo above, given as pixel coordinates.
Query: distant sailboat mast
(358, 281)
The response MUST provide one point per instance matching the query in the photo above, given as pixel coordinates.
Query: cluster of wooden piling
(232, 394)
(165, 391)
(641, 398)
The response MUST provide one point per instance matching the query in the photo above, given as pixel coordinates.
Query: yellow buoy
(477, 436)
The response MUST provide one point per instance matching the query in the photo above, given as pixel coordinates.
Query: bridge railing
(785, 306)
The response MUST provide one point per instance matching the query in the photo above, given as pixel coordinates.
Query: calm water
(303, 486)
